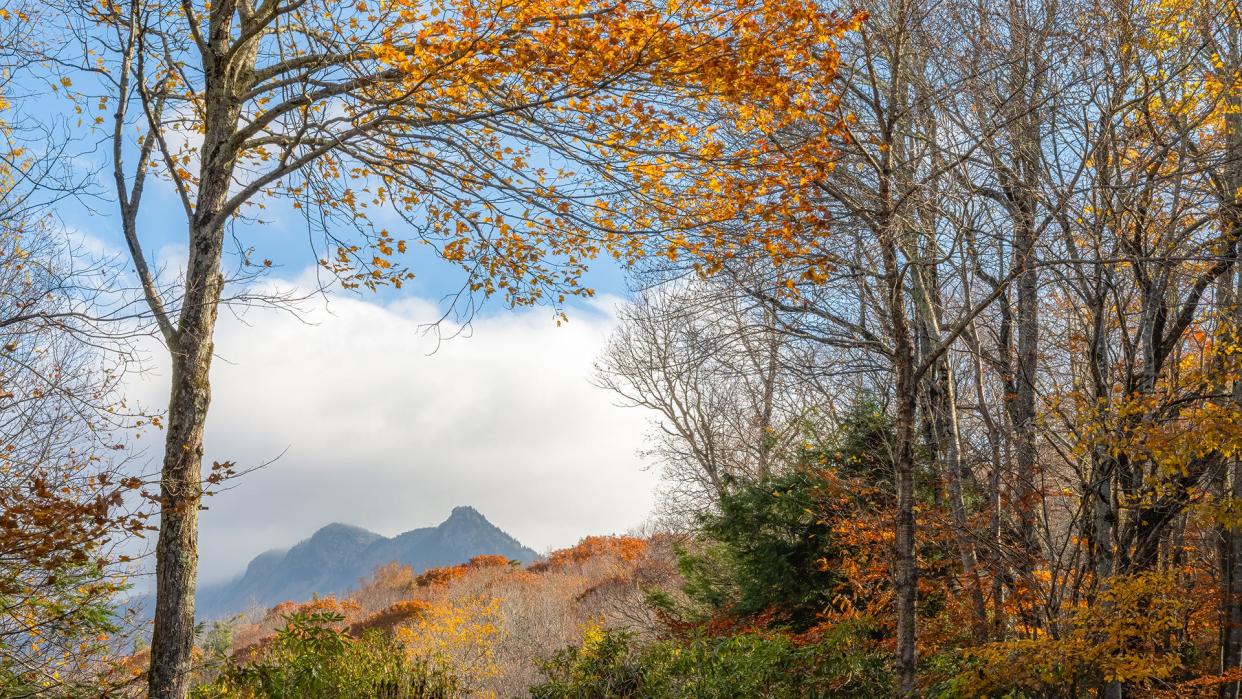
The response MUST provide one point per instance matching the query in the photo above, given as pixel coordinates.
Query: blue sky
(277, 231)
(280, 233)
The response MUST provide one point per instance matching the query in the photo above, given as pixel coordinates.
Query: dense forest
(936, 311)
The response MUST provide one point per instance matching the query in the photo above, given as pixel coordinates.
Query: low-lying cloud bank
(374, 429)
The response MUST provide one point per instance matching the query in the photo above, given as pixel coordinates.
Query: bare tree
(710, 363)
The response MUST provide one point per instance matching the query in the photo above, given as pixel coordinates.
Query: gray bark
(228, 70)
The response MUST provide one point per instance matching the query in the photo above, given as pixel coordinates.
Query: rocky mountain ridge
(337, 556)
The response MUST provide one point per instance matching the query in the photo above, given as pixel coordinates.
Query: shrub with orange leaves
(489, 562)
(330, 604)
(390, 617)
(625, 548)
(443, 576)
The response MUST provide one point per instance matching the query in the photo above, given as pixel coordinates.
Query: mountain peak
(465, 512)
(338, 555)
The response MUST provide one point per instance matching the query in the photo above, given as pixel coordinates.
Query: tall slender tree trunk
(1231, 550)
(905, 564)
(948, 427)
(1229, 485)
(228, 71)
(176, 553)
(1231, 563)
(1103, 519)
(1021, 194)
(995, 441)
(772, 348)
(941, 394)
(1027, 356)
(1231, 585)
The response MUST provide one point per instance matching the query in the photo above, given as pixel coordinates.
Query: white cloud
(381, 434)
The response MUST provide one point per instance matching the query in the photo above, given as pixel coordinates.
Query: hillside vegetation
(484, 627)
(784, 592)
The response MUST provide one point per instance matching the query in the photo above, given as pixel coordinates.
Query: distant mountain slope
(337, 556)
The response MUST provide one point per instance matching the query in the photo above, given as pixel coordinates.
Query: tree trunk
(941, 392)
(950, 436)
(176, 553)
(1024, 403)
(1231, 561)
(1103, 519)
(905, 564)
(1231, 589)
